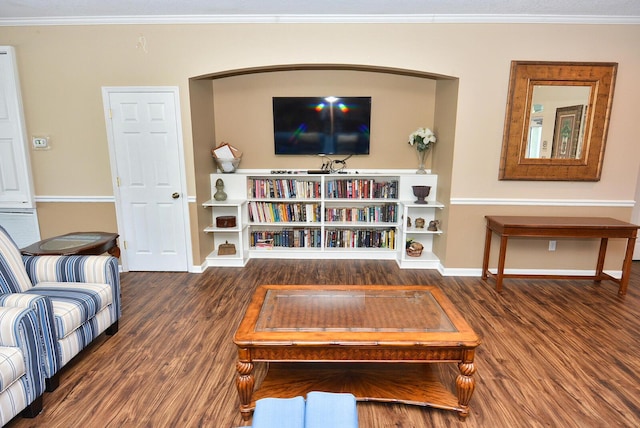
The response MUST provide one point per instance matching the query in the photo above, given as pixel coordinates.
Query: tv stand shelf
(356, 215)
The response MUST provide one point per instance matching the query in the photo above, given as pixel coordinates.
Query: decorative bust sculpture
(220, 195)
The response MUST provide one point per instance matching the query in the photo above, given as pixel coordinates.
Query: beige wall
(62, 70)
(59, 218)
(400, 104)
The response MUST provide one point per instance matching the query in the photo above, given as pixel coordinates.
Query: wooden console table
(560, 227)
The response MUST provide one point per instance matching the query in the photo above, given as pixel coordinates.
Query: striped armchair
(21, 367)
(76, 298)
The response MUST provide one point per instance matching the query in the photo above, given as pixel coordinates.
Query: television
(321, 125)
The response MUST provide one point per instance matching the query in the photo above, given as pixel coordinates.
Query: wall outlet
(552, 245)
(40, 143)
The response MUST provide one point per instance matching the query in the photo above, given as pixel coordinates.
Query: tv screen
(321, 125)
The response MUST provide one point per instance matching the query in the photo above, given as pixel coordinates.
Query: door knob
(175, 195)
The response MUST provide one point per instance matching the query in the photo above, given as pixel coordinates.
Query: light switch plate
(40, 143)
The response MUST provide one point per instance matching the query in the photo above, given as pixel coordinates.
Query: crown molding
(323, 19)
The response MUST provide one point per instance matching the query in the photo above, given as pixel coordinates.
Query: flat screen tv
(321, 125)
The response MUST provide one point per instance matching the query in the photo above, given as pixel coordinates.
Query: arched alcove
(332, 67)
(224, 100)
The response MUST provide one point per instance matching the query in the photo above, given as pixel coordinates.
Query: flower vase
(421, 155)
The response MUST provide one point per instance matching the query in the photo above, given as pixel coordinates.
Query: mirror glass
(556, 120)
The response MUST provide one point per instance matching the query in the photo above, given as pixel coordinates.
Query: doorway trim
(106, 91)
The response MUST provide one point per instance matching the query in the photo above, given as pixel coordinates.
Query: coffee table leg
(244, 383)
(465, 385)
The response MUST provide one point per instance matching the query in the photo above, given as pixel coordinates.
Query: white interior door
(146, 148)
(16, 187)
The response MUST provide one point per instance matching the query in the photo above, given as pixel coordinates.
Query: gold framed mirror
(557, 120)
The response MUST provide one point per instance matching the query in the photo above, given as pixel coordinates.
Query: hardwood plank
(553, 352)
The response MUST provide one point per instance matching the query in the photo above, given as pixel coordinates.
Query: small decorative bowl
(421, 192)
(228, 165)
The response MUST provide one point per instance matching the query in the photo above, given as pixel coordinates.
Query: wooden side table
(76, 243)
(560, 227)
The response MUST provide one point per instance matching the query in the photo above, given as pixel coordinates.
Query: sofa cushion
(11, 366)
(279, 413)
(325, 409)
(74, 303)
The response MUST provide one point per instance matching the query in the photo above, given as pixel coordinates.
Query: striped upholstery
(81, 297)
(74, 307)
(76, 269)
(75, 342)
(21, 374)
(13, 277)
(44, 309)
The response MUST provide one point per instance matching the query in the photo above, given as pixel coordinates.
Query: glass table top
(69, 241)
(352, 311)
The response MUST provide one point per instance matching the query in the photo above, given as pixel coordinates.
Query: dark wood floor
(554, 353)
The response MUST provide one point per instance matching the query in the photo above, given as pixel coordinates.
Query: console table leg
(465, 385)
(601, 257)
(501, 258)
(626, 266)
(487, 251)
(244, 383)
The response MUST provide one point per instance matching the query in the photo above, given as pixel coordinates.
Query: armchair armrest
(45, 323)
(87, 269)
(19, 329)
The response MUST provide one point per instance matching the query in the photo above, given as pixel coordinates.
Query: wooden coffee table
(377, 342)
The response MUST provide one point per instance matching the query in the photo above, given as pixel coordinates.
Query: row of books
(386, 213)
(311, 238)
(360, 238)
(283, 188)
(357, 188)
(289, 238)
(273, 212)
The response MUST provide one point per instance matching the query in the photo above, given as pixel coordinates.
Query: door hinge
(118, 181)
(110, 114)
(125, 245)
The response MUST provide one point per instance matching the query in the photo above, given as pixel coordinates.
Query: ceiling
(60, 12)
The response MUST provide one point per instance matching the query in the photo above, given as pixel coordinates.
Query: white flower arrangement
(422, 139)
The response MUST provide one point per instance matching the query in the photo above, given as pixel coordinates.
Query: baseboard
(198, 268)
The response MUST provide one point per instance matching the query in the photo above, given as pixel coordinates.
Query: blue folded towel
(279, 412)
(330, 410)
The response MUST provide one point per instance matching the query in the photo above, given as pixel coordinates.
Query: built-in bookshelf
(299, 215)
(234, 235)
